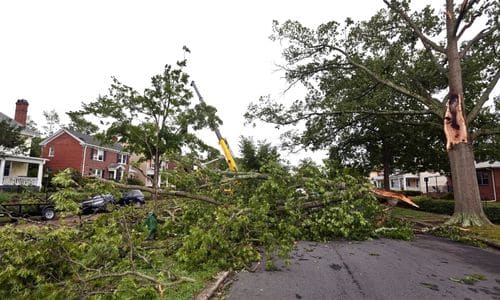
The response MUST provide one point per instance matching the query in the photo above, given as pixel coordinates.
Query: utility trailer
(23, 210)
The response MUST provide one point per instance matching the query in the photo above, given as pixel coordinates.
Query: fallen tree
(201, 229)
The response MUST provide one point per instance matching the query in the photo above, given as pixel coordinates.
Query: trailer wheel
(48, 213)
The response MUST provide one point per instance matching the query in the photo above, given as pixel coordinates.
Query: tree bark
(468, 210)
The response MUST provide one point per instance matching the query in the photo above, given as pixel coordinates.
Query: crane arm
(222, 141)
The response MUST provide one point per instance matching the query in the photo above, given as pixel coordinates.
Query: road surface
(425, 268)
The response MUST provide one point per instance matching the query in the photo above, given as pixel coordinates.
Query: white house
(424, 182)
(14, 163)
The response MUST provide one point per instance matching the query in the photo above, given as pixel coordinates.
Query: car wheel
(48, 213)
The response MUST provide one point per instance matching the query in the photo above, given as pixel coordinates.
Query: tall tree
(155, 122)
(255, 155)
(399, 49)
(80, 124)
(10, 137)
(52, 122)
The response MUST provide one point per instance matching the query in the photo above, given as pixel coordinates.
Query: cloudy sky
(58, 54)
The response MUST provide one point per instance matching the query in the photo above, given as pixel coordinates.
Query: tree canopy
(432, 60)
(155, 122)
(10, 136)
(256, 155)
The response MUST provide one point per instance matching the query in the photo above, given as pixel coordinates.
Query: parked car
(106, 202)
(135, 197)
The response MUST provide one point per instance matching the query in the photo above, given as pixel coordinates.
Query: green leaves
(10, 136)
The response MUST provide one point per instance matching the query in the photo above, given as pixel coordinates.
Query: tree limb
(190, 196)
(482, 132)
(140, 275)
(483, 33)
(484, 97)
(425, 40)
(433, 104)
(181, 194)
(464, 8)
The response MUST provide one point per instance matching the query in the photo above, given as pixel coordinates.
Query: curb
(210, 289)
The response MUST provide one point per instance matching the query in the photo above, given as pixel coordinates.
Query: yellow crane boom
(222, 141)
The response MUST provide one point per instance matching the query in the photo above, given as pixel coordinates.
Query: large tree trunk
(468, 210)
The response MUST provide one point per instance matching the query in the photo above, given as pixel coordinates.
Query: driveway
(425, 268)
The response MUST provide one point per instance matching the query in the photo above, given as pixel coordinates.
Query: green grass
(490, 233)
(418, 215)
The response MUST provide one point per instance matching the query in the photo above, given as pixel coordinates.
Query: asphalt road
(425, 268)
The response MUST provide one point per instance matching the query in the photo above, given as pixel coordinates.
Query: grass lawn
(417, 215)
(490, 233)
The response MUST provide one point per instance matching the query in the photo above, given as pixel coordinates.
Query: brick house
(488, 179)
(70, 149)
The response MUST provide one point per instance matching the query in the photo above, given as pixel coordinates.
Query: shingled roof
(84, 139)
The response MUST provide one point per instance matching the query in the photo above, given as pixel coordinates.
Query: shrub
(492, 211)
(446, 207)
(412, 193)
(443, 207)
(4, 197)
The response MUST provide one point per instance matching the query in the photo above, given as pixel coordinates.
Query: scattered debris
(431, 286)
(469, 279)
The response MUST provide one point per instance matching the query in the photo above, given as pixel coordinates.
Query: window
(97, 173)
(412, 182)
(98, 154)
(121, 158)
(483, 178)
(52, 151)
(6, 170)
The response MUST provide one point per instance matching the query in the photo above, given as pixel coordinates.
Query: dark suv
(135, 197)
(105, 202)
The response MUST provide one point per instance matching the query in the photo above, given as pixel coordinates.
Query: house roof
(83, 139)
(24, 130)
(488, 164)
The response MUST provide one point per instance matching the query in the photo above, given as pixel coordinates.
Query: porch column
(2, 168)
(40, 174)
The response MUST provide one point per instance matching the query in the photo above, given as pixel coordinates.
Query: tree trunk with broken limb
(468, 210)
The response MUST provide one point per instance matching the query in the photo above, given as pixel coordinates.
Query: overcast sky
(58, 54)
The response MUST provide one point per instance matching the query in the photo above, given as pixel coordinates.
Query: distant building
(82, 152)
(424, 182)
(144, 171)
(15, 163)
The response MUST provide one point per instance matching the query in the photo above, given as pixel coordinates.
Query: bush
(4, 197)
(492, 211)
(412, 193)
(446, 207)
(443, 207)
